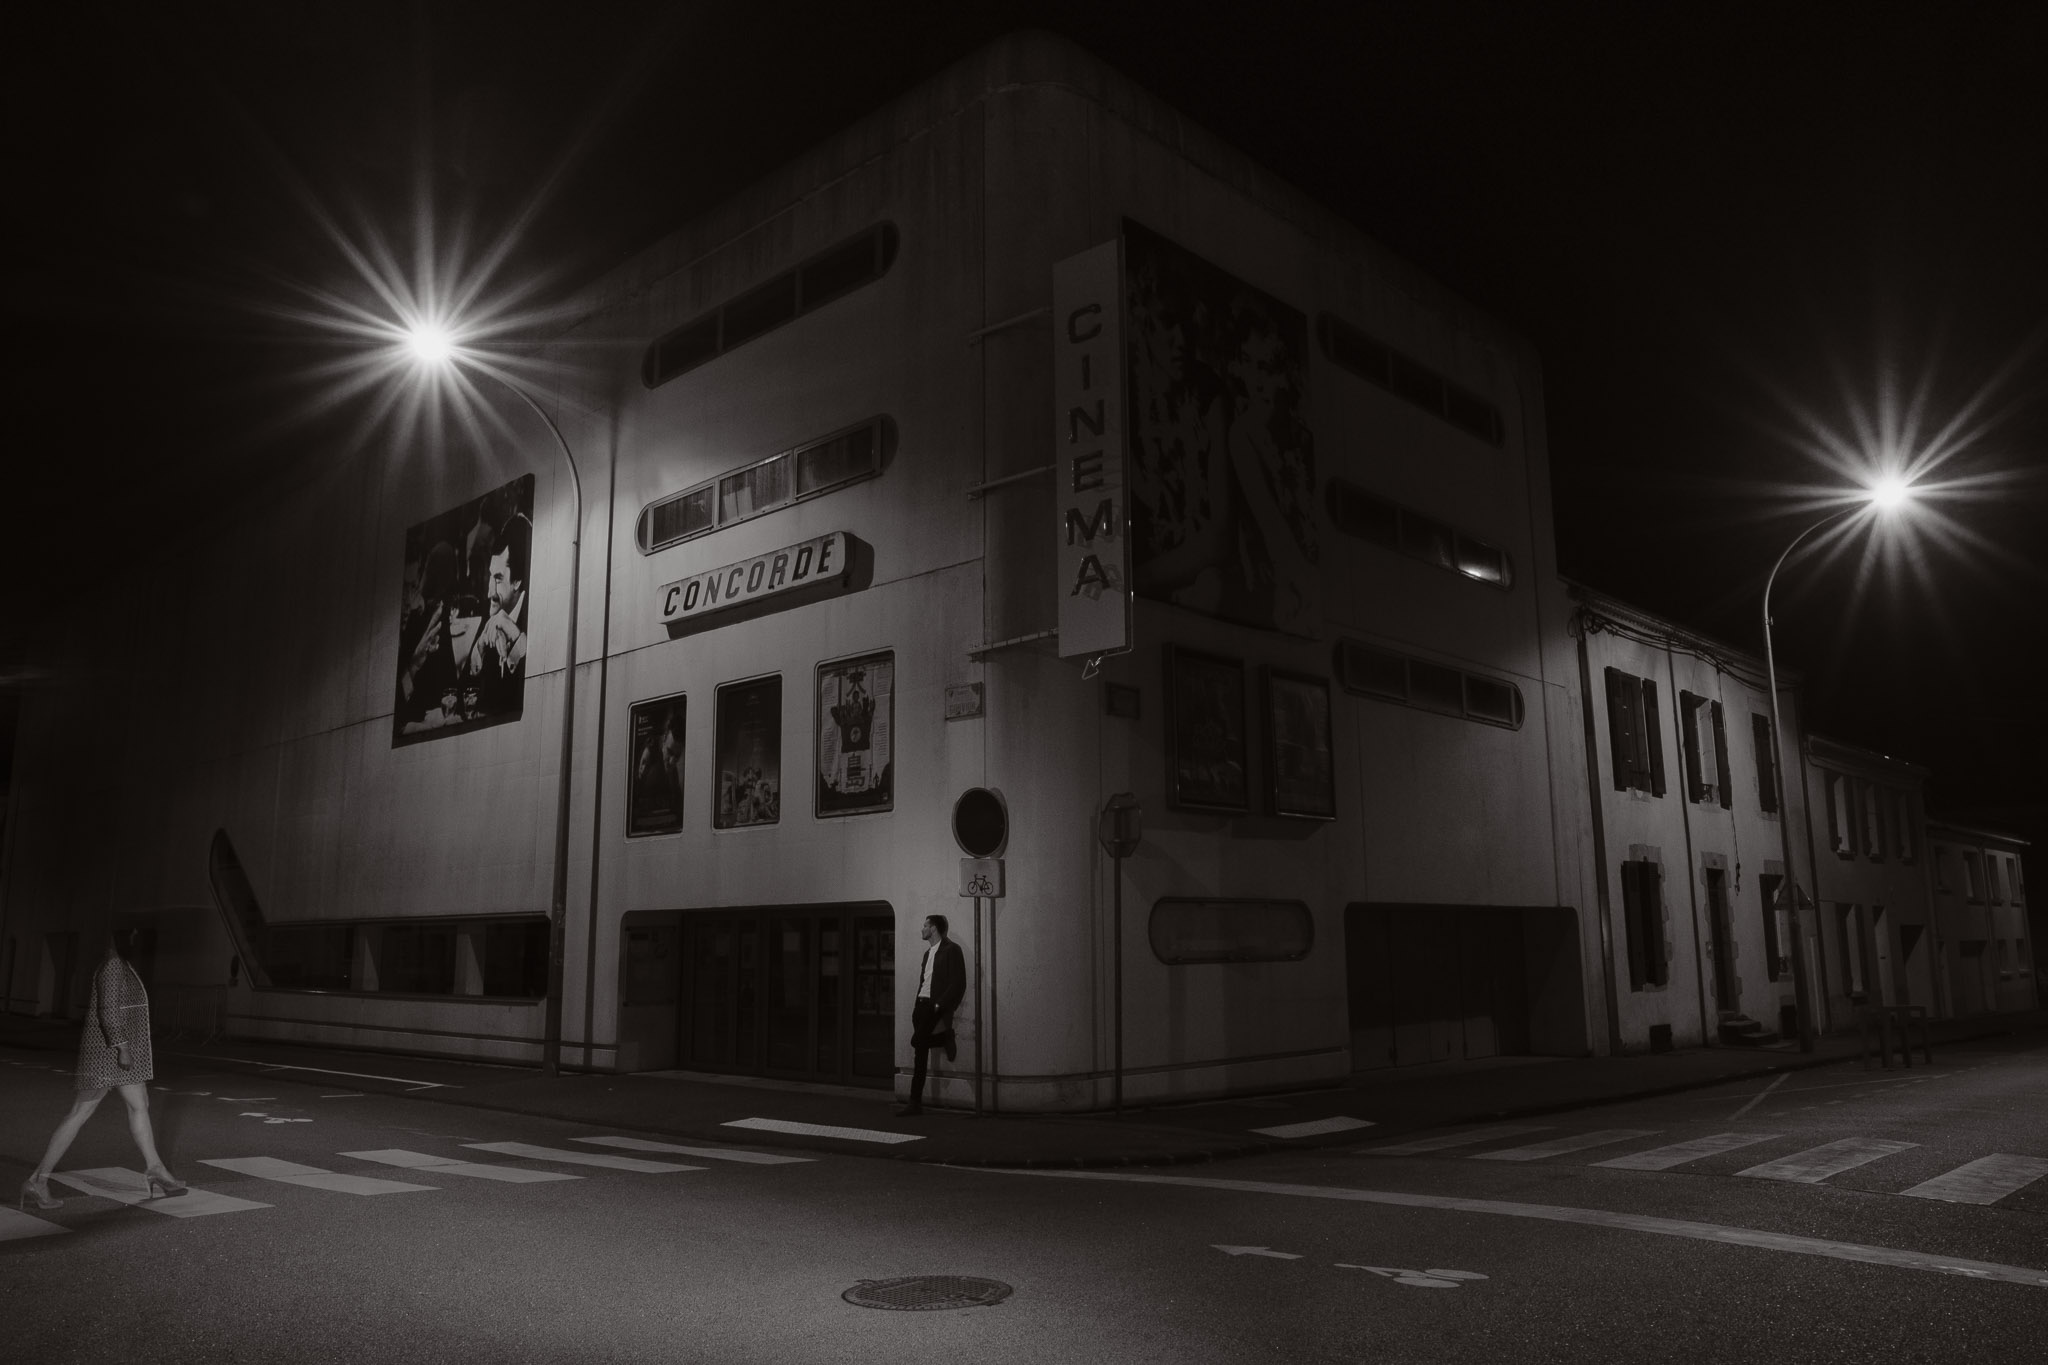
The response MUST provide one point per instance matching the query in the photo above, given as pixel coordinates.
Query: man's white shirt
(924, 979)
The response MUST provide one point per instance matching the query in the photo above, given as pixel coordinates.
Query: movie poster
(463, 616)
(1221, 472)
(654, 798)
(748, 721)
(856, 725)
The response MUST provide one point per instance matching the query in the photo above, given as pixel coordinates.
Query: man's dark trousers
(924, 1017)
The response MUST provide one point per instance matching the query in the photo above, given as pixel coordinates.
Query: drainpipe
(1601, 896)
(1692, 874)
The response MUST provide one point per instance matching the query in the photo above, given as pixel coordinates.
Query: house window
(1848, 933)
(1776, 928)
(1374, 360)
(1766, 744)
(1873, 821)
(1642, 899)
(1903, 837)
(1186, 932)
(2019, 883)
(847, 266)
(1973, 877)
(1706, 749)
(417, 959)
(1841, 815)
(1633, 733)
(310, 957)
(1992, 881)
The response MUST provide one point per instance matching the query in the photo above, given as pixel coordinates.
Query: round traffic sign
(981, 822)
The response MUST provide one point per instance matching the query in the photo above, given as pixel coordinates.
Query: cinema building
(1024, 437)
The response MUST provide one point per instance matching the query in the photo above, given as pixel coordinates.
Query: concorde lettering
(807, 564)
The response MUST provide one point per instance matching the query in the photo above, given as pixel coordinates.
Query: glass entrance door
(804, 992)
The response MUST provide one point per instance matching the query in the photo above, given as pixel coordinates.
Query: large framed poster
(462, 617)
(856, 720)
(1205, 744)
(654, 796)
(748, 753)
(1300, 771)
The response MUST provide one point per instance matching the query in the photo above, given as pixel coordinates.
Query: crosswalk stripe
(713, 1153)
(16, 1225)
(443, 1165)
(311, 1177)
(129, 1187)
(1816, 1164)
(615, 1163)
(1314, 1127)
(1577, 1142)
(823, 1130)
(1678, 1153)
(1986, 1180)
(1459, 1139)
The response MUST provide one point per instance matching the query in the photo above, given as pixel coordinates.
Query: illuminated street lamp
(433, 345)
(1888, 494)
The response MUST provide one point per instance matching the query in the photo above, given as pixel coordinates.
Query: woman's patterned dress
(117, 1013)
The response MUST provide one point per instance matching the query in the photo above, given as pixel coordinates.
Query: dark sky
(1708, 218)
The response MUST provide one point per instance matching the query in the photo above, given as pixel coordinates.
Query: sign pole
(995, 1066)
(1117, 896)
(977, 1006)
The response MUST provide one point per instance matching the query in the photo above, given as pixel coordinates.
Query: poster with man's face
(463, 616)
(654, 798)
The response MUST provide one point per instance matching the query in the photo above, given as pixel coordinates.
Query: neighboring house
(1690, 837)
(1870, 847)
(1980, 915)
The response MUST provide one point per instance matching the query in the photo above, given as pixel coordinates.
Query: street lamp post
(1886, 495)
(434, 346)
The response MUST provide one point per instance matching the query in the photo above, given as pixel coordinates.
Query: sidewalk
(703, 1109)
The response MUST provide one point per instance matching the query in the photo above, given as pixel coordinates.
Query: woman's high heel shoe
(164, 1185)
(38, 1190)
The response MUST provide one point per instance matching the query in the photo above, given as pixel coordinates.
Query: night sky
(1725, 227)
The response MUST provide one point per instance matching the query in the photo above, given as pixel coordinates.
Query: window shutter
(1654, 966)
(1622, 727)
(1689, 736)
(1721, 757)
(1766, 763)
(1653, 740)
(1632, 923)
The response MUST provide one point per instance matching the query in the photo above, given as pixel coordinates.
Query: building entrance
(801, 992)
(1436, 983)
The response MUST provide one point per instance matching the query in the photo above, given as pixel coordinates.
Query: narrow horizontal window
(1186, 932)
(1351, 349)
(830, 462)
(835, 272)
(1385, 675)
(1383, 522)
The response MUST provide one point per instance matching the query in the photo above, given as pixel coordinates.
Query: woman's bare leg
(137, 1100)
(67, 1130)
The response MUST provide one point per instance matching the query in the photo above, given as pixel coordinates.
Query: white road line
(16, 1225)
(442, 1165)
(1986, 1180)
(713, 1153)
(1816, 1164)
(312, 1177)
(823, 1130)
(129, 1187)
(1315, 1127)
(325, 1071)
(1577, 1142)
(1678, 1153)
(1460, 1139)
(614, 1163)
(1631, 1222)
(1757, 1098)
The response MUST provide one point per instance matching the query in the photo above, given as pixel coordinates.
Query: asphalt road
(1720, 1237)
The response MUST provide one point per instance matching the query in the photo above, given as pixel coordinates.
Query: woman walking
(114, 1053)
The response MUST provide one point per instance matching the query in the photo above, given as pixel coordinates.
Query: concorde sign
(1094, 550)
(810, 564)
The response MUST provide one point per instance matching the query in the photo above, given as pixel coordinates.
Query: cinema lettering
(1093, 553)
(807, 568)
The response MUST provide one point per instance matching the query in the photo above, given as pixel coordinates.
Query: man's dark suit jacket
(949, 977)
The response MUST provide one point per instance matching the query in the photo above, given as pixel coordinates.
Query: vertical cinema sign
(1094, 554)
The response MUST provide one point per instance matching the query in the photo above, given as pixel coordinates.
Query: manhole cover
(917, 1292)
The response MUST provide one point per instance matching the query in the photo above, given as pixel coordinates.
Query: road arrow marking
(1255, 1251)
(1416, 1279)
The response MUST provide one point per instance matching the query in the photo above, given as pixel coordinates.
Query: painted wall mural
(1222, 471)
